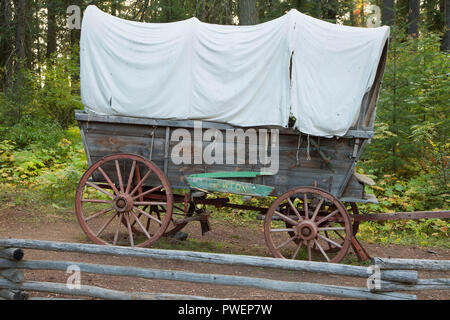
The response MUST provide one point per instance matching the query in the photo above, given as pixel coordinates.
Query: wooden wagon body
(330, 165)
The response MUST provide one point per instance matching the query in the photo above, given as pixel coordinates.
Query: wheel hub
(307, 230)
(123, 203)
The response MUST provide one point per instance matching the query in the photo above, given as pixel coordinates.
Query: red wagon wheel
(111, 201)
(316, 227)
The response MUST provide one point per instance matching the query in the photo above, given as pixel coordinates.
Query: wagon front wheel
(112, 200)
(316, 226)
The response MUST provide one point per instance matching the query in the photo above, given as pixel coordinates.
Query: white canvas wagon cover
(240, 75)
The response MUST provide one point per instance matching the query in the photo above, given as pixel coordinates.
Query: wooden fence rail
(12, 285)
(214, 258)
(412, 264)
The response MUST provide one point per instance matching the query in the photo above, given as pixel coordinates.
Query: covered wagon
(177, 113)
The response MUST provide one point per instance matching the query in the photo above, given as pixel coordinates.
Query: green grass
(194, 245)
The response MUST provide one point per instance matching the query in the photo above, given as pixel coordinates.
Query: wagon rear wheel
(317, 226)
(113, 198)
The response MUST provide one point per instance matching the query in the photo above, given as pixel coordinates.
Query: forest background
(42, 157)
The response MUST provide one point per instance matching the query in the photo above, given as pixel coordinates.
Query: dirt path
(24, 223)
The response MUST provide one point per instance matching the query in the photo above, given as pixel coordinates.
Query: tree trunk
(6, 49)
(20, 31)
(330, 11)
(229, 12)
(144, 10)
(114, 8)
(387, 14)
(413, 18)
(29, 37)
(248, 15)
(51, 28)
(446, 39)
(75, 34)
(168, 11)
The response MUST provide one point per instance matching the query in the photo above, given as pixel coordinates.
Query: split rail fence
(391, 276)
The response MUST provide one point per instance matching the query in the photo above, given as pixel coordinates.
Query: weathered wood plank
(83, 116)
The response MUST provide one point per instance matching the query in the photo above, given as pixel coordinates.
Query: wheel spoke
(130, 178)
(317, 209)
(141, 182)
(130, 233)
(116, 234)
(286, 242)
(295, 210)
(134, 222)
(176, 207)
(181, 214)
(305, 205)
(321, 250)
(119, 176)
(309, 250)
(150, 203)
(331, 228)
(140, 224)
(106, 224)
(327, 217)
(286, 218)
(330, 241)
(96, 201)
(148, 191)
(297, 250)
(113, 186)
(329, 244)
(90, 184)
(95, 215)
(340, 236)
(282, 230)
(148, 215)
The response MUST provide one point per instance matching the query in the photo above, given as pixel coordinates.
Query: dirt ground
(25, 223)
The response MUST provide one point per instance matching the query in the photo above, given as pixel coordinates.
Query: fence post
(11, 274)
